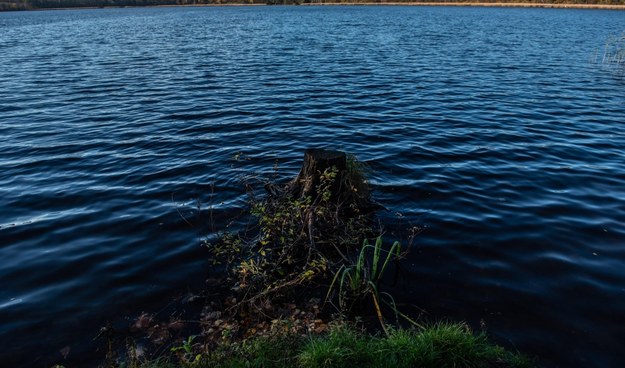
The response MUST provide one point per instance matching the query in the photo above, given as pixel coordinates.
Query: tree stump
(316, 162)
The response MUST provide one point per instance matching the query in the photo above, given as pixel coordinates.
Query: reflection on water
(488, 128)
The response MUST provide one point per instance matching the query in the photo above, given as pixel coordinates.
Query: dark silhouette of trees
(52, 4)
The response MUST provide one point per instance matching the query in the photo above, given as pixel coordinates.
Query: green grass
(438, 346)
(361, 279)
(441, 345)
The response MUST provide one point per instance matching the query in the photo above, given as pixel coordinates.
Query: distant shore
(355, 3)
(486, 4)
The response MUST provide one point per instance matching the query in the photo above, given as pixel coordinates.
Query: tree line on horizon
(57, 4)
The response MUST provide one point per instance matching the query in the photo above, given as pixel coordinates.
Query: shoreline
(433, 3)
(483, 4)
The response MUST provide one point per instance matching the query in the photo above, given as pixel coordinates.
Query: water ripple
(125, 132)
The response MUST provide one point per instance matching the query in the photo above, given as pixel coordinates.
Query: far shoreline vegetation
(12, 5)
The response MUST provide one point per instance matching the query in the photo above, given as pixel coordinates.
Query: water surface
(490, 129)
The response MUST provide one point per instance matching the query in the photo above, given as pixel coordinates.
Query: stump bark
(316, 162)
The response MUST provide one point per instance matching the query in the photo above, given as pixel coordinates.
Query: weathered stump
(316, 162)
(349, 191)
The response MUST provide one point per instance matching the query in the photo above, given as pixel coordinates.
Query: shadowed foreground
(307, 238)
(441, 345)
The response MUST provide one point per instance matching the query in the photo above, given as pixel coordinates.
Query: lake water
(495, 131)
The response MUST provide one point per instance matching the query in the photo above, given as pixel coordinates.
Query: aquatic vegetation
(614, 53)
(360, 280)
(306, 229)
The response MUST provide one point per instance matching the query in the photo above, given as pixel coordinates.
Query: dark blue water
(124, 132)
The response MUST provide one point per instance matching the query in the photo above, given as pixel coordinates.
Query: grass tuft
(442, 345)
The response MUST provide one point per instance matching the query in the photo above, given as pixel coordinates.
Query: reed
(359, 281)
(614, 51)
